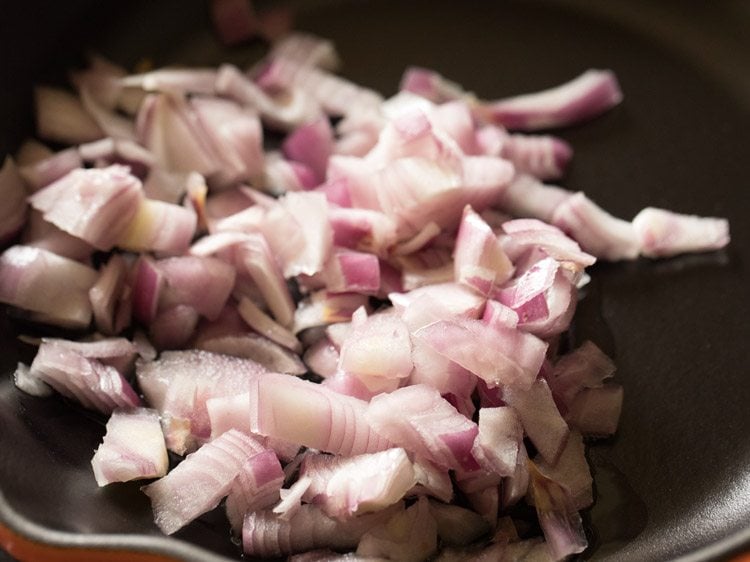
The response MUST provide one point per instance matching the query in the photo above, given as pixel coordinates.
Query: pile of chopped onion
(354, 341)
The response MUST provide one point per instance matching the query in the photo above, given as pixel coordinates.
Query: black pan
(675, 481)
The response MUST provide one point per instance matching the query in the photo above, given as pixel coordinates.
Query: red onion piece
(410, 134)
(558, 304)
(533, 283)
(180, 383)
(265, 325)
(364, 483)
(336, 95)
(486, 503)
(132, 449)
(409, 535)
(254, 256)
(226, 203)
(583, 98)
(95, 205)
(432, 480)
(229, 412)
(587, 366)
(596, 411)
(420, 241)
(31, 151)
(260, 349)
(311, 144)
(351, 385)
(516, 485)
(497, 314)
(326, 308)
(204, 283)
(91, 382)
(30, 383)
(255, 488)
(103, 79)
(664, 233)
(431, 85)
(281, 175)
(572, 471)
(40, 233)
(117, 352)
(173, 326)
(322, 358)
(457, 526)
(560, 522)
(362, 229)
(417, 418)
(530, 233)
(496, 446)
(168, 127)
(541, 420)
(29, 279)
(265, 534)
(316, 469)
(298, 232)
(163, 185)
(350, 271)
(147, 287)
(292, 110)
(198, 483)
(111, 150)
(446, 300)
(499, 355)
(541, 156)
(291, 499)
(598, 232)
(455, 120)
(478, 259)
(237, 139)
(378, 352)
(312, 415)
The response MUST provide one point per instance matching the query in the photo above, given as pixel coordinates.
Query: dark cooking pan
(675, 481)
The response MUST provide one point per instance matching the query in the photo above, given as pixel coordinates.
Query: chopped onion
(410, 535)
(664, 233)
(133, 448)
(198, 483)
(408, 254)
(79, 372)
(30, 279)
(95, 205)
(584, 97)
